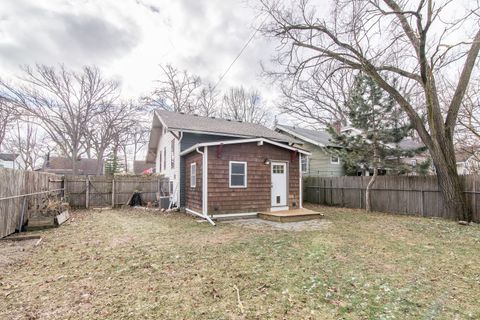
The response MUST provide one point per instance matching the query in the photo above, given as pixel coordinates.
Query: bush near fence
(413, 195)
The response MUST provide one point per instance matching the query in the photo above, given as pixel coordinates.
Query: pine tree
(113, 165)
(382, 126)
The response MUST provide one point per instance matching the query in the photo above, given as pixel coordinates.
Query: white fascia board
(216, 143)
(293, 133)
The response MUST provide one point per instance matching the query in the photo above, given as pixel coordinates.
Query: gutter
(204, 186)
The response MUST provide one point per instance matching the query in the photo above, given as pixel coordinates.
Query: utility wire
(239, 54)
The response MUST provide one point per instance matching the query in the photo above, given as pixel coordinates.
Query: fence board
(19, 182)
(412, 195)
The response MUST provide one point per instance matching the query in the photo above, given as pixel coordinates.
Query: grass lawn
(135, 264)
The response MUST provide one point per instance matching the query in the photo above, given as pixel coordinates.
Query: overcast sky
(128, 39)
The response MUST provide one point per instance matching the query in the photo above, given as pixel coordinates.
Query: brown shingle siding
(256, 197)
(193, 196)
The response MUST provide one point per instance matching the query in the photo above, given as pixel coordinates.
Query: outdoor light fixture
(266, 161)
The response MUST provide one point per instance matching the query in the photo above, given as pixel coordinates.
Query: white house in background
(9, 160)
(468, 161)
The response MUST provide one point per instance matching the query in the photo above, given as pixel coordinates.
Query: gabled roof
(259, 141)
(64, 165)
(8, 156)
(210, 125)
(319, 138)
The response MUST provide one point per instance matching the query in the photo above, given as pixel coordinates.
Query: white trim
(282, 208)
(201, 216)
(300, 185)
(194, 184)
(332, 162)
(296, 134)
(239, 141)
(205, 181)
(230, 175)
(235, 215)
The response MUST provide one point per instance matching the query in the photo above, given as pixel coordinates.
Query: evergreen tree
(113, 165)
(381, 126)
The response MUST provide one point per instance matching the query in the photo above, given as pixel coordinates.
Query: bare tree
(62, 101)
(242, 105)
(28, 141)
(109, 123)
(207, 103)
(7, 116)
(318, 98)
(176, 90)
(389, 39)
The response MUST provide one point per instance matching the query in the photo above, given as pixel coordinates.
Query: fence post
(423, 203)
(343, 197)
(87, 191)
(361, 195)
(113, 193)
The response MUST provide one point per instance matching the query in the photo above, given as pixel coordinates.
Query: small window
(193, 175)
(278, 168)
(171, 187)
(172, 159)
(165, 158)
(334, 160)
(238, 174)
(414, 162)
(304, 164)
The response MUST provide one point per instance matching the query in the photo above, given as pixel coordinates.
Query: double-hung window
(304, 163)
(172, 159)
(193, 175)
(238, 174)
(334, 160)
(165, 158)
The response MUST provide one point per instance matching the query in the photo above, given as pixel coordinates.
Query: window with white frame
(334, 160)
(193, 175)
(165, 158)
(304, 163)
(238, 174)
(172, 151)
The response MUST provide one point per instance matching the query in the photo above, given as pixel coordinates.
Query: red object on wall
(219, 151)
(294, 155)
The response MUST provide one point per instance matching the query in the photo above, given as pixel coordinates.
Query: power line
(239, 54)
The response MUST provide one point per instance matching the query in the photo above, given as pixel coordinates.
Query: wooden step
(290, 215)
(40, 223)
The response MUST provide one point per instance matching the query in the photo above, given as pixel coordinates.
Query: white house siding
(8, 164)
(319, 164)
(172, 173)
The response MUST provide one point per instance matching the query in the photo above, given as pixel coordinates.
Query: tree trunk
(368, 200)
(450, 186)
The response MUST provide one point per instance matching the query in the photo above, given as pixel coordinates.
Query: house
(219, 166)
(142, 167)
(9, 160)
(63, 166)
(320, 163)
(468, 160)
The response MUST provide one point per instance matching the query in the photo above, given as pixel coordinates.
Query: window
(165, 158)
(414, 162)
(334, 160)
(238, 174)
(278, 168)
(172, 153)
(304, 164)
(160, 160)
(193, 175)
(171, 187)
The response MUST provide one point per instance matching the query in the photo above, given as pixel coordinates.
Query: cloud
(42, 35)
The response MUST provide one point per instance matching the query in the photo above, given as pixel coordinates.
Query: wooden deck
(290, 215)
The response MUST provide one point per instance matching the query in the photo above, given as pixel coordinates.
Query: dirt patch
(13, 251)
(264, 225)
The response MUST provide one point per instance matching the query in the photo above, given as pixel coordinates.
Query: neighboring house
(218, 166)
(63, 166)
(142, 167)
(468, 161)
(320, 163)
(9, 160)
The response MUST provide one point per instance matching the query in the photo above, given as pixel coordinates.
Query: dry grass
(130, 264)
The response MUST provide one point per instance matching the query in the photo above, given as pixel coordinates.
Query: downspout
(300, 182)
(205, 185)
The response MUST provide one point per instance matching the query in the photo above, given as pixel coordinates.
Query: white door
(279, 186)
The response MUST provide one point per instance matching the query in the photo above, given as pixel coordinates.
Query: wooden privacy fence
(21, 192)
(415, 195)
(104, 191)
